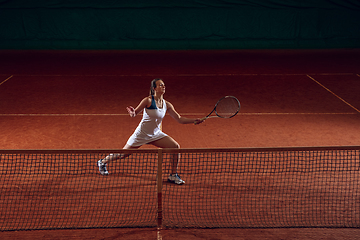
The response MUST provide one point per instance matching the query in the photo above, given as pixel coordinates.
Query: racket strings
(227, 107)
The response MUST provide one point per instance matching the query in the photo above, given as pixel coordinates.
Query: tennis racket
(226, 107)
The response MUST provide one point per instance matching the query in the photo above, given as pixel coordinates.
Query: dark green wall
(161, 24)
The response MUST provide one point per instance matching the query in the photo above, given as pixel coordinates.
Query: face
(160, 87)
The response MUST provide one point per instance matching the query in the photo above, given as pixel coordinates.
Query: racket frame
(217, 115)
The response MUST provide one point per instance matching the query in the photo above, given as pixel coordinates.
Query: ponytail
(153, 85)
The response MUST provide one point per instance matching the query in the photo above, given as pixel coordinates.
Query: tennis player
(149, 131)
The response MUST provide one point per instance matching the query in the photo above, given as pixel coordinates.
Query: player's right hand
(131, 111)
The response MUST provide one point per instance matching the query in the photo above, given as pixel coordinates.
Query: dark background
(159, 24)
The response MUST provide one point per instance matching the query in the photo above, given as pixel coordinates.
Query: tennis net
(248, 188)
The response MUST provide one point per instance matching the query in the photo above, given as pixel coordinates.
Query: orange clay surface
(77, 100)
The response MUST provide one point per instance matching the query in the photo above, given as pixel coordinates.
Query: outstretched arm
(183, 120)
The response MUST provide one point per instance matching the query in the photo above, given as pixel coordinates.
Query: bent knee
(173, 144)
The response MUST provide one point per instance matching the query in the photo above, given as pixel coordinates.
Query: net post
(159, 188)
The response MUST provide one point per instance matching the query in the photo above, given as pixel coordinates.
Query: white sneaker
(102, 167)
(175, 178)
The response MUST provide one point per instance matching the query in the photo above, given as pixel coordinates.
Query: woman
(149, 131)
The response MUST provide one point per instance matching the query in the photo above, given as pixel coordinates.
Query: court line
(60, 114)
(334, 94)
(123, 114)
(159, 236)
(6, 80)
(344, 113)
(182, 75)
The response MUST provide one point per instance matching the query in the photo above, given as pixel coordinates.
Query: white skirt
(138, 139)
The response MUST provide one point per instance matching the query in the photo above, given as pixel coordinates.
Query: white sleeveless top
(148, 129)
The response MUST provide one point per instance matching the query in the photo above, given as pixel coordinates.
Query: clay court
(76, 100)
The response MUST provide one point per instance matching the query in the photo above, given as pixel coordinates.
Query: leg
(169, 142)
(117, 156)
(102, 162)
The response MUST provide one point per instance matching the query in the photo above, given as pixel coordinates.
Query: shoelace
(177, 176)
(103, 166)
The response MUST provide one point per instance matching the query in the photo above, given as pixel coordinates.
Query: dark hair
(153, 85)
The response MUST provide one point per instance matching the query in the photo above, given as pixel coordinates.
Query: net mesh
(227, 107)
(61, 190)
(305, 187)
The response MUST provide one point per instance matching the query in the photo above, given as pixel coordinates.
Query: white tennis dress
(148, 129)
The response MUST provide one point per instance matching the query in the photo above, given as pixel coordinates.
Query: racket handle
(201, 120)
